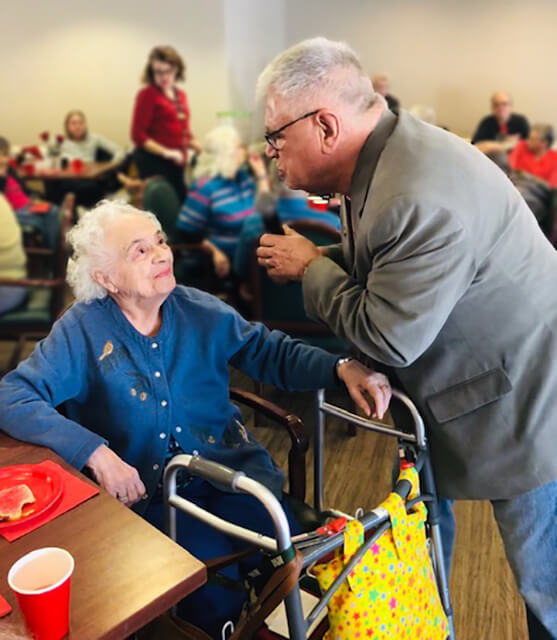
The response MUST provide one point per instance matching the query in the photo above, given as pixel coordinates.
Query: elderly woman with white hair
(222, 196)
(141, 367)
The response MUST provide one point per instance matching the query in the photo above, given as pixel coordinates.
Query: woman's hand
(257, 165)
(221, 263)
(116, 476)
(176, 156)
(358, 379)
(195, 145)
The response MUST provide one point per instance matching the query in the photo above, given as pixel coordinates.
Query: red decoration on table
(44, 136)
(31, 150)
(59, 138)
(75, 491)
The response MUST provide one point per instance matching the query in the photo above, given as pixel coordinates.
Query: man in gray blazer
(444, 277)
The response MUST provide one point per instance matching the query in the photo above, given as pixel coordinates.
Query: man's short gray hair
(89, 247)
(307, 67)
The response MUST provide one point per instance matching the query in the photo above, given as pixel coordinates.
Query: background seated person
(90, 147)
(535, 191)
(382, 83)
(290, 206)
(39, 215)
(502, 125)
(535, 154)
(222, 197)
(80, 143)
(142, 368)
(12, 258)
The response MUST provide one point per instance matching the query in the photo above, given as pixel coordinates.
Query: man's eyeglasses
(277, 143)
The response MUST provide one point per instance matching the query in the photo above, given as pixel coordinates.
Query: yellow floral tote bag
(391, 593)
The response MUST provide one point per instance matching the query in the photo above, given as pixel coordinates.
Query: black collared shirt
(489, 128)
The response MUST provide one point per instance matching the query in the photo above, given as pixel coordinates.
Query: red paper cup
(29, 168)
(77, 165)
(41, 583)
(319, 204)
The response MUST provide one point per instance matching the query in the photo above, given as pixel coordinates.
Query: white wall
(450, 54)
(65, 54)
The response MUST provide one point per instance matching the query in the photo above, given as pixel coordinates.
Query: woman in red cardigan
(160, 127)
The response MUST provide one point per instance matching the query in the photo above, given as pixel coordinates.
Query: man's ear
(329, 123)
(104, 280)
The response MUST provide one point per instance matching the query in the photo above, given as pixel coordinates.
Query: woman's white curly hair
(220, 154)
(89, 247)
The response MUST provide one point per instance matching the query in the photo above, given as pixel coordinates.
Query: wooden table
(126, 571)
(90, 171)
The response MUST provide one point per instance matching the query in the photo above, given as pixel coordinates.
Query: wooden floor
(358, 470)
(486, 602)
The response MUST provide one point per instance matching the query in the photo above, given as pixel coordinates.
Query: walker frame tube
(324, 408)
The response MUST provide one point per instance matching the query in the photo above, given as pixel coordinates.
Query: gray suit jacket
(444, 276)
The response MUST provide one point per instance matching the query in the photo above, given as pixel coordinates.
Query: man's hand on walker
(358, 379)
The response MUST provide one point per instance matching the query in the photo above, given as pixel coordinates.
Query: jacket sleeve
(334, 253)
(275, 358)
(54, 373)
(421, 263)
(142, 117)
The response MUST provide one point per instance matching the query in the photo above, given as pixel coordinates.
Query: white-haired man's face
(296, 149)
(141, 261)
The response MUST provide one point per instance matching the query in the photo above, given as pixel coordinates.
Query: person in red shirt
(535, 154)
(37, 214)
(161, 120)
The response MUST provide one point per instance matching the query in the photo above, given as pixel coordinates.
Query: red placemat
(75, 492)
(4, 607)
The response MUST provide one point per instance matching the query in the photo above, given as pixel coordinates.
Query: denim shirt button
(211, 440)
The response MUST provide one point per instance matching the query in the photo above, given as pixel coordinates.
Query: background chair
(46, 284)
(281, 306)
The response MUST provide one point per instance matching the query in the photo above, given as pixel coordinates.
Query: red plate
(46, 485)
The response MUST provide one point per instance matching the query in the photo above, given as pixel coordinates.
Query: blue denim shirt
(133, 392)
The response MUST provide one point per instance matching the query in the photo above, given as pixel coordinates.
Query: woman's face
(77, 127)
(141, 261)
(164, 74)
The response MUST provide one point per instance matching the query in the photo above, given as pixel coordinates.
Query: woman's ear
(104, 280)
(329, 124)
